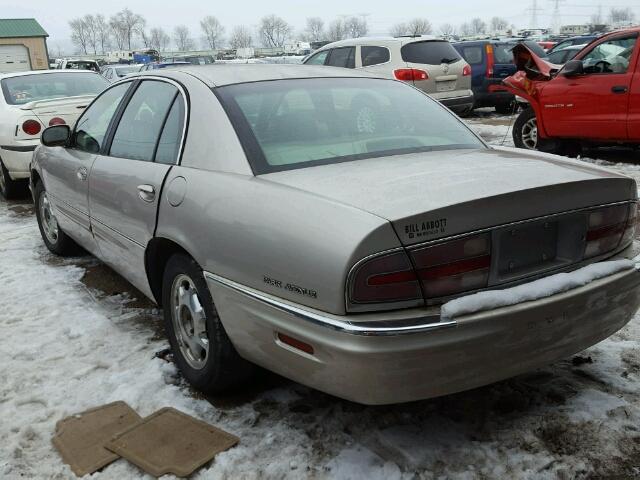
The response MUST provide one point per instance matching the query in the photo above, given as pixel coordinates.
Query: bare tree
(498, 24)
(182, 38)
(399, 30)
(102, 32)
(337, 30)
(466, 29)
(212, 30)
(240, 37)
(274, 31)
(621, 15)
(447, 30)
(478, 26)
(127, 24)
(315, 29)
(79, 34)
(356, 27)
(117, 33)
(419, 26)
(159, 39)
(92, 32)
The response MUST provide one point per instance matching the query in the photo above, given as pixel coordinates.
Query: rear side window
(343, 57)
(374, 55)
(142, 120)
(503, 53)
(169, 143)
(432, 52)
(472, 55)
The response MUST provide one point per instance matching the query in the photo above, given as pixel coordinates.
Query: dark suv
(491, 62)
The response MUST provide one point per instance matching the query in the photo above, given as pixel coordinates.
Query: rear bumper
(429, 357)
(16, 158)
(460, 103)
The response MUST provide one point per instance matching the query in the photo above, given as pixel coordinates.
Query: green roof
(21, 27)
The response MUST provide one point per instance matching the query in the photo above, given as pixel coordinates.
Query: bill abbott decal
(426, 229)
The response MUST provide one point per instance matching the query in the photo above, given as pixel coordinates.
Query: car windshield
(123, 71)
(431, 52)
(80, 65)
(29, 88)
(289, 124)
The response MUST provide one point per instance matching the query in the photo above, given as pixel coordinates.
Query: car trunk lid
(68, 109)
(434, 195)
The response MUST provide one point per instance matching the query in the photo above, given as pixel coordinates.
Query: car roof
(45, 72)
(379, 40)
(218, 74)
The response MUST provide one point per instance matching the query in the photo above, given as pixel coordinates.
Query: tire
(525, 134)
(464, 113)
(207, 360)
(10, 188)
(53, 236)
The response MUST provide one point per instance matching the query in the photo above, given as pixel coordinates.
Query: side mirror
(56, 136)
(572, 68)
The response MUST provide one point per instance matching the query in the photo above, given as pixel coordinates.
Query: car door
(127, 177)
(593, 105)
(65, 173)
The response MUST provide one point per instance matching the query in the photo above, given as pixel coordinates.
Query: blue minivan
(491, 62)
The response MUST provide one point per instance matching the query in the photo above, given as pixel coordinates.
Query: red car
(591, 100)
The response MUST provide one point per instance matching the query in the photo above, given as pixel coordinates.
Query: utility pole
(555, 27)
(533, 10)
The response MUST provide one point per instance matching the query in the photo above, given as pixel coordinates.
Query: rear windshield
(289, 124)
(123, 71)
(430, 52)
(29, 88)
(80, 65)
(503, 52)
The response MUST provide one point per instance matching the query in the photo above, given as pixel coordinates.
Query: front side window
(47, 86)
(290, 124)
(612, 56)
(318, 58)
(92, 127)
(142, 121)
(374, 55)
(343, 57)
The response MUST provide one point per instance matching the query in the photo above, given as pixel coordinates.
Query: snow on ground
(75, 336)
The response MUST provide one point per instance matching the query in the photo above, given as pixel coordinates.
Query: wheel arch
(159, 251)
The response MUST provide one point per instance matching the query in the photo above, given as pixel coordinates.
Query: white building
(575, 29)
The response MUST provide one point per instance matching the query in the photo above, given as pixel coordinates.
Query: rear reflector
(387, 278)
(454, 267)
(295, 343)
(31, 127)
(57, 121)
(411, 74)
(605, 230)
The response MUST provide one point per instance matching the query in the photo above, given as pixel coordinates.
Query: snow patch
(542, 288)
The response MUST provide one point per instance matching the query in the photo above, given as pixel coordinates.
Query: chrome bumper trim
(382, 328)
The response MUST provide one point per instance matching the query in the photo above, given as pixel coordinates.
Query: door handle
(147, 193)
(619, 89)
(81, 173)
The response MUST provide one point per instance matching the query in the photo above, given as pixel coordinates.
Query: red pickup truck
(591, 100)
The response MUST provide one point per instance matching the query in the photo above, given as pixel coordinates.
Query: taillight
(454, 267)
(606, 228)
(387, 278)
(466, 71)
(410, 74)
(57, 121)
(31, 127)
(490, 60)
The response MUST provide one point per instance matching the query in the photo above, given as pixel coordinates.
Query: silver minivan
(430, 64)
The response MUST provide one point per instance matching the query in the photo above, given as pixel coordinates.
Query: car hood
(433, 195)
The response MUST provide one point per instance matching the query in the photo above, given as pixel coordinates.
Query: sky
(54, 15)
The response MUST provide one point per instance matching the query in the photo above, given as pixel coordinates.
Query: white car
(31, 102)
(116, 72)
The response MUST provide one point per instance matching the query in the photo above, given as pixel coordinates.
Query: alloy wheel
(530, 134)
(48, 220)
(189, 322)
